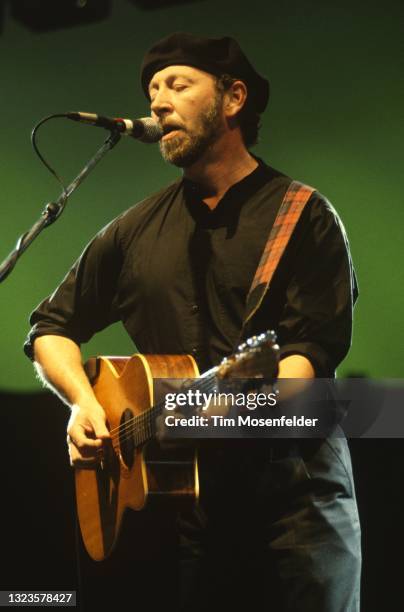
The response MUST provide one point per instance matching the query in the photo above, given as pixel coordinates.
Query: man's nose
(161, 103)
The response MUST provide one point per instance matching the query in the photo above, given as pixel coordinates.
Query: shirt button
(194, 350)
(194, 308)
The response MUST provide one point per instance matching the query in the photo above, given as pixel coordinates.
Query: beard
(186, 148)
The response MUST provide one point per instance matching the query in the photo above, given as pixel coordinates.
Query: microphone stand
(53, 210)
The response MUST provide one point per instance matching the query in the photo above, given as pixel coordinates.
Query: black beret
(214, 55)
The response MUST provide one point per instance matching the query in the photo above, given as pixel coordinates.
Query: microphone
(144, 129)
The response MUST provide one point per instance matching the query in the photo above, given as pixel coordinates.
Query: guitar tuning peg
(270, 335)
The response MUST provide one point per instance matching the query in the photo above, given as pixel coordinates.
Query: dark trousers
(277, 528)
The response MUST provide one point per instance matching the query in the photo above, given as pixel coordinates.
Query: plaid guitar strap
(293, 203)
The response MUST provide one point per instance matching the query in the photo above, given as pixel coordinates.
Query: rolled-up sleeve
(85, 301)
(317, 316)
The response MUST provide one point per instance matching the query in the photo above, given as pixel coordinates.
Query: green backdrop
(335, 121)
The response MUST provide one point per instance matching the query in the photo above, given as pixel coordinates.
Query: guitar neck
(255, 358)
(145, 424)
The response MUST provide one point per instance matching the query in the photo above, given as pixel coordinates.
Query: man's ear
(235, 98)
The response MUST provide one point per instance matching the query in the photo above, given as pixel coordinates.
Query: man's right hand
(87, 433)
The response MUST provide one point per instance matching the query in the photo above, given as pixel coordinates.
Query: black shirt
(177, 275)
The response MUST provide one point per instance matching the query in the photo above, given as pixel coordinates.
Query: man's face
(188, 105)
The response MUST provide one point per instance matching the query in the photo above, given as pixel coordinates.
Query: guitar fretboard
(144, 426)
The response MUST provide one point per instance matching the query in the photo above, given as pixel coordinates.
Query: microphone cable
(46, 164)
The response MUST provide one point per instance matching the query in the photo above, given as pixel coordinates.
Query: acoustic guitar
(132, 466)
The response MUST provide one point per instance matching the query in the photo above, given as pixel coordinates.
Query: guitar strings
(141, 427)
(203, 383)
(143, 423)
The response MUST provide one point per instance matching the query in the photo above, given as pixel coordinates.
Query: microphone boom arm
(53, 210)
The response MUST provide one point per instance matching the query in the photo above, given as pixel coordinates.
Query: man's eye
(179, 87)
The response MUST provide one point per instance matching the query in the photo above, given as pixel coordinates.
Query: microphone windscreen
(147, 130)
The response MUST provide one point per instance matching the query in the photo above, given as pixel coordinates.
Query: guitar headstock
(257, 357)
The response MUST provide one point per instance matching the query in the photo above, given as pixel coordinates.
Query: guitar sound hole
(126, 441)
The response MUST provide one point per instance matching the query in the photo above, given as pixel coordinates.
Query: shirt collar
(237, 193)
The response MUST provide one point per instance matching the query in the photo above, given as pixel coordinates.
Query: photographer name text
(241, 421)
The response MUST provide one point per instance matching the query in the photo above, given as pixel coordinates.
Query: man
(177, 270)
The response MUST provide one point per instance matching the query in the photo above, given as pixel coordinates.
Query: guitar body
(129, 475)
